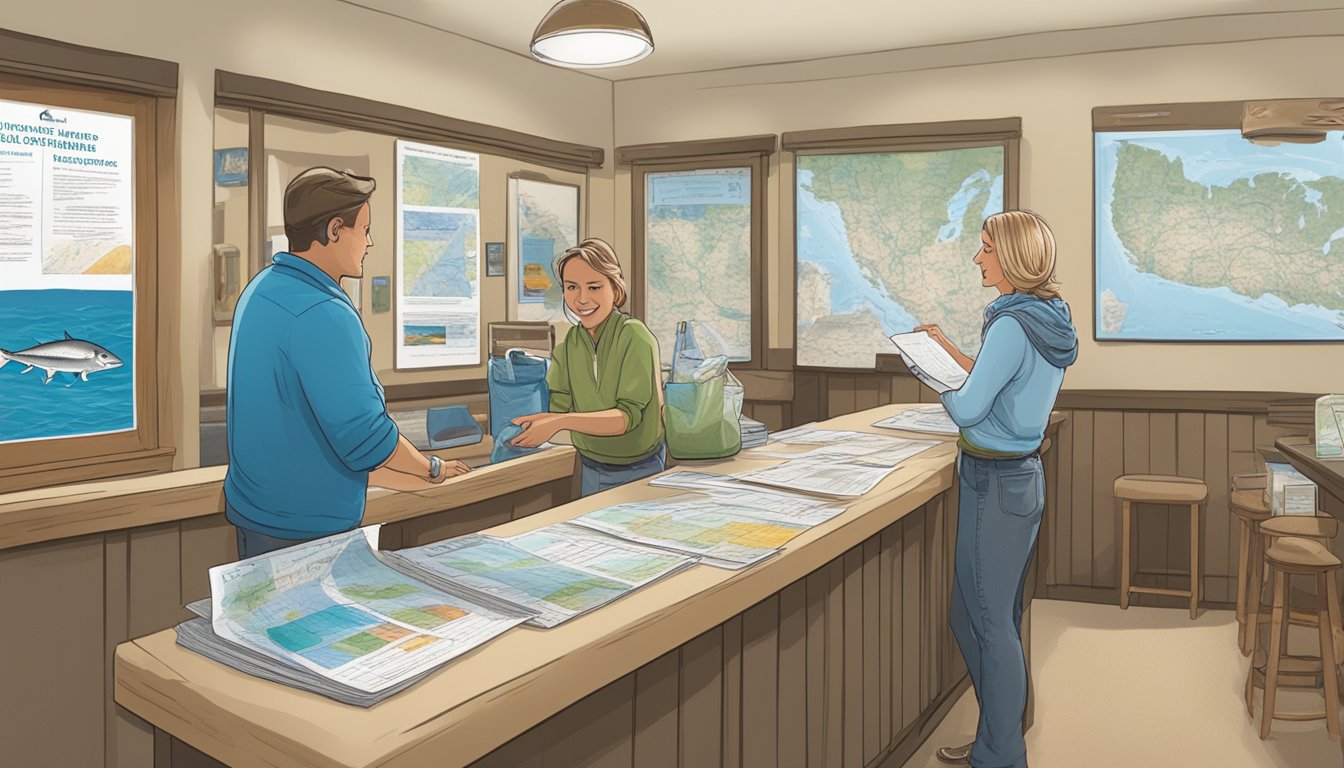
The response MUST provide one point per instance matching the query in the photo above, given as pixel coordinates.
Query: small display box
(451, 426)
(1290, 492)
(534, 338)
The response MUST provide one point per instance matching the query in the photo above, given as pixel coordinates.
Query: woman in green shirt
(604, 377)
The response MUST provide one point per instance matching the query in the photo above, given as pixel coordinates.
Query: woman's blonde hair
(1026, 249)
(599, 255)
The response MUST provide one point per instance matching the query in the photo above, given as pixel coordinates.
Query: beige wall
(1054, 97)
(354, 51)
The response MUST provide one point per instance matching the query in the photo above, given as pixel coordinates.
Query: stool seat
(1300, 525)
(1298, 555)
(1161, 489)
(1249, 504)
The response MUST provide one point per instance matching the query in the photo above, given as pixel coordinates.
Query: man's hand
(537, 429)
(449, 468)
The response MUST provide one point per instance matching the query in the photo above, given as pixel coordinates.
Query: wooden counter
(47, 514)
(1328, 474)
(837, 647)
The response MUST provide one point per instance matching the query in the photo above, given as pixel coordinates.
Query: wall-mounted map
(697, 229)
(438, 256)
(1205, 236)
(885, 243)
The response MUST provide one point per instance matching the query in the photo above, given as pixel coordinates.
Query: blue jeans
(252, 543)
(597, 476)
(998, 518)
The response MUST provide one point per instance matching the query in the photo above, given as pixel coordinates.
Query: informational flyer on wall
(438, 257)
(543, 223)
(67, 272)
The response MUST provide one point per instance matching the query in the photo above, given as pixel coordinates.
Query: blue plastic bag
(503, 451)
(517, 385)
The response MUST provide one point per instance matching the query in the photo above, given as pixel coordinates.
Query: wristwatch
(435, 467)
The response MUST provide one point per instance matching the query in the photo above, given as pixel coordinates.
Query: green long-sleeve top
(617, 370)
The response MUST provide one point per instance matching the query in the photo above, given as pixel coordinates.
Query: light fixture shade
(587, 34)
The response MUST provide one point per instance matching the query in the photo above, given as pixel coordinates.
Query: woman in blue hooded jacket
(1002, 410)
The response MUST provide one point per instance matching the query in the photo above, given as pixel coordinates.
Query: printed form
(928, 360)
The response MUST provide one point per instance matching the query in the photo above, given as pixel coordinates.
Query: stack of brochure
(754, 433)
(336, 618)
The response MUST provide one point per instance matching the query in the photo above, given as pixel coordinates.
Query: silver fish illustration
(69, 355)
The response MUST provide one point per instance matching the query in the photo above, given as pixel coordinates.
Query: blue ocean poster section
(69, 405)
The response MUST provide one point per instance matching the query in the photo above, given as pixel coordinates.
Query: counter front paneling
(836, 651)
(85, 568)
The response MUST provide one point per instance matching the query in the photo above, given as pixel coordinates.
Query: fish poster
(67, 272)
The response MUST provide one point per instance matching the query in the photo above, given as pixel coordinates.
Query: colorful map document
(556, 572)
(930, 419)
(333, 608)
(720, 534)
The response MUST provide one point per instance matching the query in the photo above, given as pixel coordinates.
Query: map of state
(433, 182)
(440, 254)
(1205, 236)
(698, 241)
(885, 243)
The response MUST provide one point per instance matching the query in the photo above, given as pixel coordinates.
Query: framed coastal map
(1201, 235)
(543, 221)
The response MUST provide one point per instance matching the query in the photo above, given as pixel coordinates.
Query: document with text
(929, 362)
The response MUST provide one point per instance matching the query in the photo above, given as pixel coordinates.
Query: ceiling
(698, 35)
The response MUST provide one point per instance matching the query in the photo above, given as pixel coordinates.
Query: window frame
(37, 70)
(890, 139)
(751, 152)
(262, 98)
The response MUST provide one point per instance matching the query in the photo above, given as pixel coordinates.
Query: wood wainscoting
(1208, 435)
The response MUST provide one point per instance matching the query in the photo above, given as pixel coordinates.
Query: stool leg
(1243, 560)
(1275, 649)
(1332, 590)
(1124, 555)
(1196, 583)
(1325, 611)
(1255, 596)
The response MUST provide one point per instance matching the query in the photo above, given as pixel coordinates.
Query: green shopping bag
(702, 402)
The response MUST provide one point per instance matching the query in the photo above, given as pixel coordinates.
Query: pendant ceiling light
(587, 34)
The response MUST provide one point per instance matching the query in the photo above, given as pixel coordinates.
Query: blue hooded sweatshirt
(1004, 406)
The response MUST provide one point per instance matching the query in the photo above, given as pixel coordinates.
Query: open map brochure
(333, 608)
(557, 572)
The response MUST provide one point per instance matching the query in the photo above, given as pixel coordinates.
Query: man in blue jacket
(308, 428)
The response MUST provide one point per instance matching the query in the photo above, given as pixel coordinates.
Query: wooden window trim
(149, 447)
(279, 98)
(914, 137)
(1168, 117)
(31, 56)
(747, 152)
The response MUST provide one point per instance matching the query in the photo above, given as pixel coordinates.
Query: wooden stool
(1320, 529)
(1288, 556)
(1248, 503)
(1160, 489)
